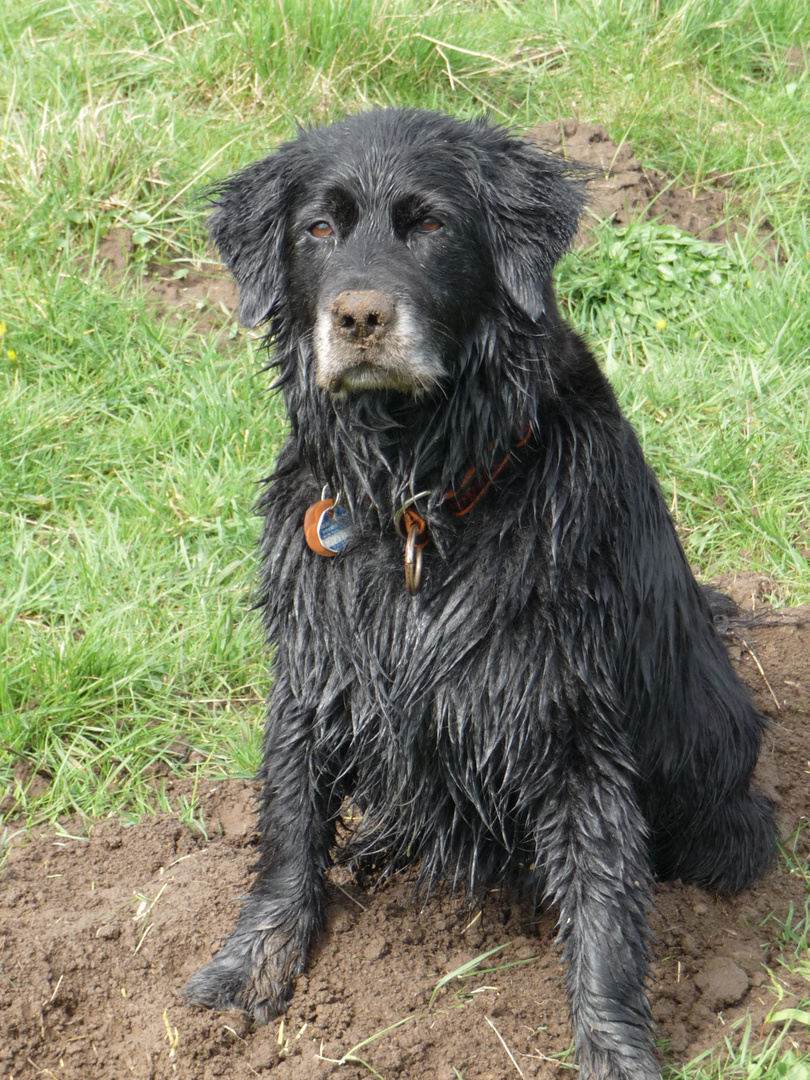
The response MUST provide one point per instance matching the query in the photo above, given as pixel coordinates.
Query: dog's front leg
(592, 847)
(256, 969)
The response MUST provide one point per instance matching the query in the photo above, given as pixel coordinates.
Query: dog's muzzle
(359, 349)
(366, 340)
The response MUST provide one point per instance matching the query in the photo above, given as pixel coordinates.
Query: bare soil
(203, 295)
(100, 926)
(624, 190)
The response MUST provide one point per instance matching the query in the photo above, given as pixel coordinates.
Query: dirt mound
(202, 294)
(624, 190)
(98, 935)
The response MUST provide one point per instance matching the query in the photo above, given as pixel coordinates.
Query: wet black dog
(487, 635)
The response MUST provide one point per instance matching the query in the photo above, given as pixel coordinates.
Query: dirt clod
(721, 982)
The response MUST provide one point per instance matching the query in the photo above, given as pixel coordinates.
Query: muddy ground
(100, 926)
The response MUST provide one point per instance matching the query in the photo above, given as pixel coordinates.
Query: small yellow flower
(661, 324)
(11, 354)
(2, 329)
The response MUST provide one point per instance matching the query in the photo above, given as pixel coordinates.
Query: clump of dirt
(98, 934)
(200, 293)
(624, 190)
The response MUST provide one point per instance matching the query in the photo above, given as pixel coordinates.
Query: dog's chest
(465, 648)
(440, 690)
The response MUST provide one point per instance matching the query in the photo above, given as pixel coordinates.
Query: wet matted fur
(552, 706)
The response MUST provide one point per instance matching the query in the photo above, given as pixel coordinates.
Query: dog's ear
(248, 224)
(535, 201)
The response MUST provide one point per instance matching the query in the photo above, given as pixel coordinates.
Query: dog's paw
(637, 1064)
(248, 976)
(736, 848)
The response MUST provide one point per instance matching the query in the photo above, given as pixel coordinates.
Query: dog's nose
(362, 316)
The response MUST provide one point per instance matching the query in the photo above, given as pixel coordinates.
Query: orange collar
(474, 486)
(476, 483)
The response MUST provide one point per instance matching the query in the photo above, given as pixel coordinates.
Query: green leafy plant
(648, 275)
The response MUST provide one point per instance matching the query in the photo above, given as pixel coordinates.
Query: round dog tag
(327, 527)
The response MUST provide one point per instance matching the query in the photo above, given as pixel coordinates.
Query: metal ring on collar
(413, 562)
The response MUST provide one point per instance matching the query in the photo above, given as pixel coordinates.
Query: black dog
(487, 635)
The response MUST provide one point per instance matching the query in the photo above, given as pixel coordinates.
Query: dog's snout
(374, 339)
(362, 316)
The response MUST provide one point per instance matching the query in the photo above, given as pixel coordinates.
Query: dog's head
(381, 241)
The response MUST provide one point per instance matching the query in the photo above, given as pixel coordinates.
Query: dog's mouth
(367, 375)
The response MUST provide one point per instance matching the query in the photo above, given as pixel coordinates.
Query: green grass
(129, 456)
(709, 352)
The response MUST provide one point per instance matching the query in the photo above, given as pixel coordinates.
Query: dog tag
(327, 527)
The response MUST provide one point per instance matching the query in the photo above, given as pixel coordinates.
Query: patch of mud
(98, 935)
(199, 293)
(624, 190)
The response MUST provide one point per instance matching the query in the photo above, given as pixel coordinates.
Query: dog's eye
(428, 224)
(321, 229)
